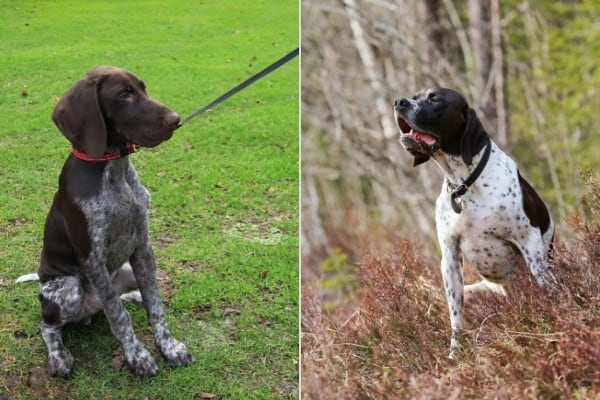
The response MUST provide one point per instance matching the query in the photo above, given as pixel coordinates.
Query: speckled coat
(499, 216)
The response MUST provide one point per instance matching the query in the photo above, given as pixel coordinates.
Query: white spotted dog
(486, 212)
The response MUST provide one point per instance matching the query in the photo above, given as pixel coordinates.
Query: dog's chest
(495, 199)
(117, 217)
(492, 213)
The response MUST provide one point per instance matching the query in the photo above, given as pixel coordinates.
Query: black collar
(457, 191)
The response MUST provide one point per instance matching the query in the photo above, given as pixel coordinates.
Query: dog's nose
(172, 120)
(398, 103)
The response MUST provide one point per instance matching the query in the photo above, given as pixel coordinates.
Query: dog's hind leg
(533, 250)
(483, 288)
(63, 300)
(124, 281)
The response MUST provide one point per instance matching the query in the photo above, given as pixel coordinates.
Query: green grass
(224, 217)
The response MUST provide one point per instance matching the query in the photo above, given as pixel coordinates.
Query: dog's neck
(455, 169)
(110, 154)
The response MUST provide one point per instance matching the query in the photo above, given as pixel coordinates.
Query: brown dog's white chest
(118, 214)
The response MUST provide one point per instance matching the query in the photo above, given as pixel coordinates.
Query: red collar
(124, 151)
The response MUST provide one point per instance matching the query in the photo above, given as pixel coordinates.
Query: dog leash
(243, 85)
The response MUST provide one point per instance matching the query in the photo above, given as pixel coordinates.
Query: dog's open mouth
(409, 134)
(422, 137)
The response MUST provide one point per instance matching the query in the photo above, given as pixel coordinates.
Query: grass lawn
(224, 219)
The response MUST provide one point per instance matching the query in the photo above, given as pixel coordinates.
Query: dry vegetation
(389, 338)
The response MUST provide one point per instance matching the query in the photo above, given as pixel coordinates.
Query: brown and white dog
(96, 240)
(486, 212)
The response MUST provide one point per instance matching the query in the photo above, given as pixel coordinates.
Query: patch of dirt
(259, 233)
(192, 266)
(162, 240)
(165, 285)
(255, 230)
(287, 389)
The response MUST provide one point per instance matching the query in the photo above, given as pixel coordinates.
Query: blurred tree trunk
(430, 21)
(488, 64)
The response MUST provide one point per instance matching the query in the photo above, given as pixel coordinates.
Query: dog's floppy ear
(77, 115)
(473, 138)
(420, 159)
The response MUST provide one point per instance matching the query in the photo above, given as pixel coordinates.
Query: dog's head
(439, 119)
(110, 107)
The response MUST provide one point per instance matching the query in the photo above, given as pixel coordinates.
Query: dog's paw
(454, 354)
(546, 278)
(140, 361)
(133, 297)
(60, 363)
(175, 352)
(455, 348)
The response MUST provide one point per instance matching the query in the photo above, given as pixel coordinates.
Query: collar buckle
(457, 191)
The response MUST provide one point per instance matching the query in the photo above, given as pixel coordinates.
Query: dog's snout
(172, 120)
(401, 103)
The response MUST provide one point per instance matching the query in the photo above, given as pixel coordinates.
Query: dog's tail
(28, 278)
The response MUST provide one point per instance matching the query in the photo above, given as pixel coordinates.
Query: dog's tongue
(422, 137)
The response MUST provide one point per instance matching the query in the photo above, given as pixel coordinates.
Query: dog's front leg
(138, 359)
(452, 276)
(144, 269)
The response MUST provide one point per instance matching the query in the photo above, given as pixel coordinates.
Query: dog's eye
(434, 98)
(126, 93)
